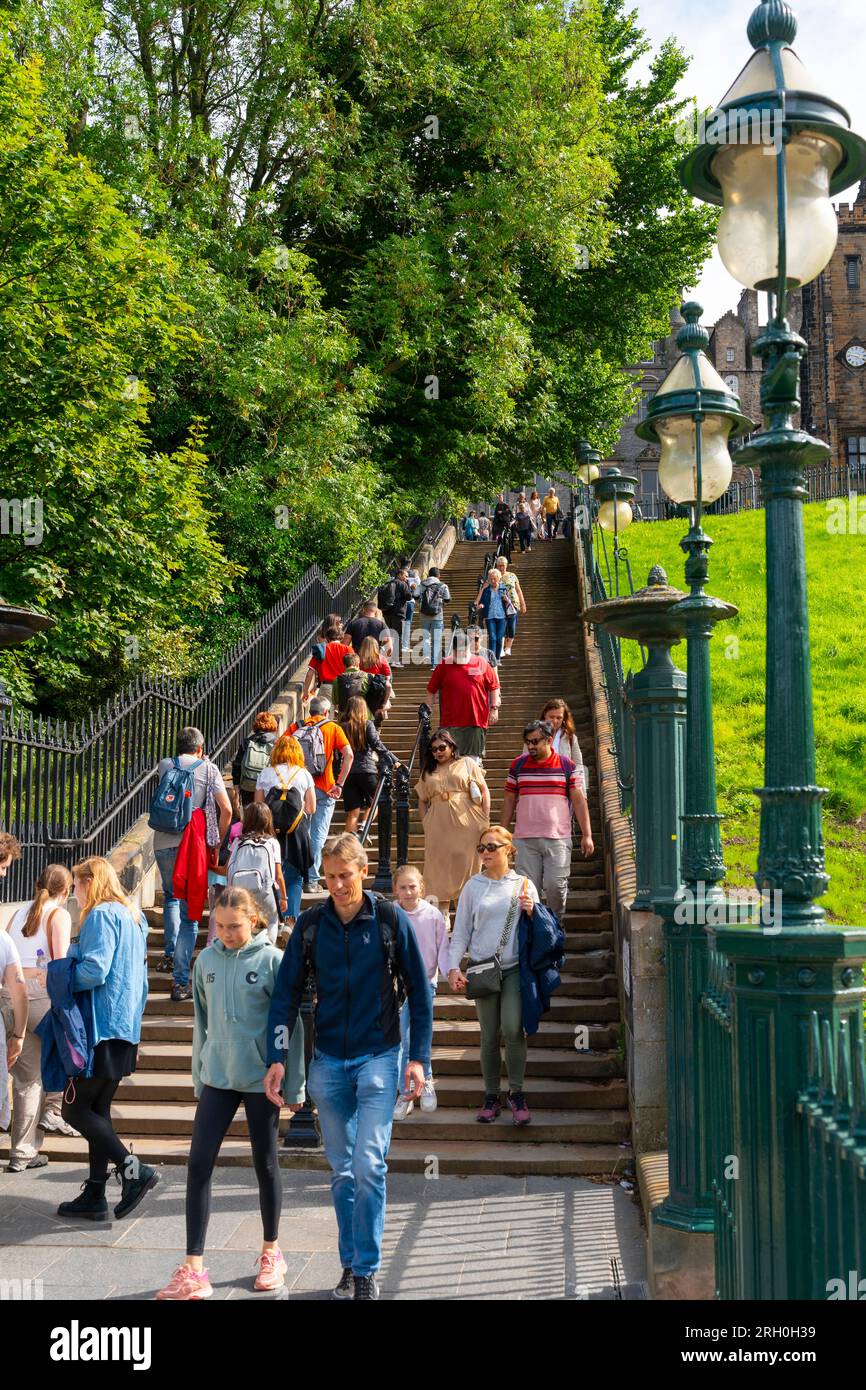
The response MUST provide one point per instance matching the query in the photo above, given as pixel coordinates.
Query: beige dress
(451, 827)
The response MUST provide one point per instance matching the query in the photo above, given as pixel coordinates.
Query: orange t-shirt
(333, 738)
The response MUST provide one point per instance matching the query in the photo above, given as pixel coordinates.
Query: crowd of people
(70, 1021)
(531, 518)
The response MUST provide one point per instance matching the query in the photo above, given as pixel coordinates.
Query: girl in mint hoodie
(232, 986)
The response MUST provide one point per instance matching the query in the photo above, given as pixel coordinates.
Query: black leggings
(87, 1107)
(214, 1114)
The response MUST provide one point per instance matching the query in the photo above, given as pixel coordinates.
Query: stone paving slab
(450, 1239)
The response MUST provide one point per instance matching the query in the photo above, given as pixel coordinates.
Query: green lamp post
(588, 462)
(614, 491)
(777, 231)
(691, 417)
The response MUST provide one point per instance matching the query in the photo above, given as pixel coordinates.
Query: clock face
(855, 355)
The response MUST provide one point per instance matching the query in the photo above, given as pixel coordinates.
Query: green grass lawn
(836, 571)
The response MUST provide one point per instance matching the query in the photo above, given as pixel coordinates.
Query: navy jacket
(356, 1013)
(67, 1030)
(540, 946)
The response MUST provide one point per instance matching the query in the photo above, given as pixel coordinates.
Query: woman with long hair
(255, 864)
(285, 771)
(564, 741)
(109, 960)
(486, 926)
(229, 1043)
(454, 801)
(494, 601)
(370, 757)
(371, 660)
(41, 931)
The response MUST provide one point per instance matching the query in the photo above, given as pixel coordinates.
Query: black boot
(135, 1188)
(91, 1205)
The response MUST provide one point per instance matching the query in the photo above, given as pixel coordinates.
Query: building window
(857, 454)
(730, 354)
(649, 478)
(733, 383)
(852, 272)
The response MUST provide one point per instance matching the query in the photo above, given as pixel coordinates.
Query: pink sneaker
(516, 1102)
(185, 1284)
(272, 1270)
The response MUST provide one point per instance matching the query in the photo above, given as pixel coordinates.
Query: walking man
(179, 931)
(545, 788)
(359, 950)
(320, 738)
(434, 594)
(469, 696)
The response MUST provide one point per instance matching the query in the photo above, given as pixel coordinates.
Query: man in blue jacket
(359, 948)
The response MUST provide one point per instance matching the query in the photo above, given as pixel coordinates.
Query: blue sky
(831, 41)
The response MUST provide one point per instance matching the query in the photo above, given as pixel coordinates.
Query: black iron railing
(69, 790)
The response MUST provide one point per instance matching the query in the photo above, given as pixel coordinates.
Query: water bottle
(42, 965)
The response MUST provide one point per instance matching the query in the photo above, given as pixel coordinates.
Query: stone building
(834, 326)
(830, 313)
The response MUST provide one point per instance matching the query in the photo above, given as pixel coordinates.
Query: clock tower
(834, 326)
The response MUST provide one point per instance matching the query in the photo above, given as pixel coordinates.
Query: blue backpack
(172, 806)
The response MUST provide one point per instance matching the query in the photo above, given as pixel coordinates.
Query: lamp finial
(692, 335)
(773, 21)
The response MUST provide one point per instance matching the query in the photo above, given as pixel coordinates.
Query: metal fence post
(401, 784)
(383, 882)
(780, 978)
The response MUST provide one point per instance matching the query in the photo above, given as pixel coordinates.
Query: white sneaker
(403, 1108)
(428, 1096)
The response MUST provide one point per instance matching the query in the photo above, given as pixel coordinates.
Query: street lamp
(691, 417)
(778, 230)
(614, 491)
(588, 460)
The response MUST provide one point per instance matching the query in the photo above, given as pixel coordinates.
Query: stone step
(405, 1156)
(453, 1090)
(451, 1032)
(562, 1010)
(548, 1126)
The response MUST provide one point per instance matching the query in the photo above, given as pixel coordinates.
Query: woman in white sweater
(488, 913)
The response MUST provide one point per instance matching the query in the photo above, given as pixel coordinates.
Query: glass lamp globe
(748, 228)
(678, 470)
(615, 516)
(588, 472)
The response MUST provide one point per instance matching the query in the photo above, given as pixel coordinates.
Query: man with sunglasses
(545, 788)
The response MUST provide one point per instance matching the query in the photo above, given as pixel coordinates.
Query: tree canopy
(358, 255)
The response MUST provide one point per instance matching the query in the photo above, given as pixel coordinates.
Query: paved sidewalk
(450, 1238)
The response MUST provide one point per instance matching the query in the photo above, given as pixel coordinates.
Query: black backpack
(432, 599)
(386, 917)
(387, 595)
(377, 692)
(286, 805)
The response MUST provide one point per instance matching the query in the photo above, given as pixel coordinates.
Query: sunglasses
(531, 741)
(440, 747)
(489, 848)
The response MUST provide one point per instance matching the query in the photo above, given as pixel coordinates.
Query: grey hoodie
(232, 995)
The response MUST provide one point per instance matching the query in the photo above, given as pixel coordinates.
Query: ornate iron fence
(68, 790)
(825, 482)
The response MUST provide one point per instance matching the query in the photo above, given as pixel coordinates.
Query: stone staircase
(580, 1122)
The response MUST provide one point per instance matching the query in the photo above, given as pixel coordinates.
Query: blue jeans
(294, 887)
(405, 1059)
(355, 1101)
(406, 634)
(180, 932)
(320, 824)
(495, 635)
(432, 629)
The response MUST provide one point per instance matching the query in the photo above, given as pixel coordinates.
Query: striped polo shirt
(542, 790)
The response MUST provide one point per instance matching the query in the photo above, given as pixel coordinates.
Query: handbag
(211, 818)
(484, 977)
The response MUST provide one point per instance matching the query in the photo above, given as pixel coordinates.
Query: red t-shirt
(330, 665)
(464, 691)
(380, 669)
